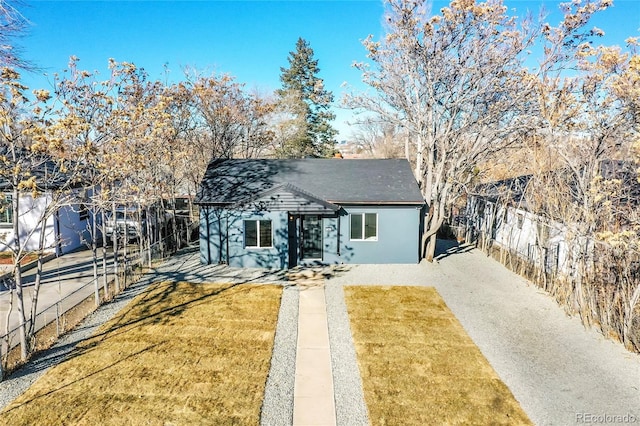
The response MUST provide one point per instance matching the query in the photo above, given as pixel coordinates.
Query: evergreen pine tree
(300, 82)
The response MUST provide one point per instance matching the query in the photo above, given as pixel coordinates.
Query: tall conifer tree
(301, 82)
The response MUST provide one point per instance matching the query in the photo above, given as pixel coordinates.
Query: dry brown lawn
(181, 354)
(418, 365)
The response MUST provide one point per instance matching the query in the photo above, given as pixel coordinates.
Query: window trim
(8, 212)
(244, 233)
(363, 216)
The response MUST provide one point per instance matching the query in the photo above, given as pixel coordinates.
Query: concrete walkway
(313, 392)
(66, 281)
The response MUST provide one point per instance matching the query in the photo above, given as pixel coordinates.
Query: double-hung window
(364, 226)
(83, 213)
(257, 233)
(6, 209)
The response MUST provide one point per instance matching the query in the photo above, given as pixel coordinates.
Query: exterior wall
(74, 233)
(521, 232)
(65, 223)
(398, 236)
(222, 239)
(397, 242)
(31, 210)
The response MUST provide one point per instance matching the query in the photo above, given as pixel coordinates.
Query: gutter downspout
(208, 237)
(226, 221)
(338, 237)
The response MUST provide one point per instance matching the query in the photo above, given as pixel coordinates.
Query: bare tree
(459, 85)
(230, 123)
(12, 26)
(381, 139)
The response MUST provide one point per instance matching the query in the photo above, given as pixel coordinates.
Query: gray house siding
(223, 241)
(291, 199)
(398, 239)
(222, 235)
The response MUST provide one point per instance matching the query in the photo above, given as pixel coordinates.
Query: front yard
(179, 354)
(419, 366)
(200, 354)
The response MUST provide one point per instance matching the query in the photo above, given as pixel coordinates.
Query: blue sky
(250, 40)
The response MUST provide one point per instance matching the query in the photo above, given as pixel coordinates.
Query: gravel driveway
(561, 373)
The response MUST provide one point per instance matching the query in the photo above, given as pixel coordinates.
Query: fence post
(57, 319)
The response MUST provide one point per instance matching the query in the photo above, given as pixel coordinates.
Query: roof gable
(288, 197)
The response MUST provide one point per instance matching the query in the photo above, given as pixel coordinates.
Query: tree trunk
(18, 273)
(435, 220)
(22, 331)
(36, 289)
(431, 248)
(105, 275)
(114, 238)
(5, 340)
(94, 255)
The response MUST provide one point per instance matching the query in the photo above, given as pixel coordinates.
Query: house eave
(378, 203)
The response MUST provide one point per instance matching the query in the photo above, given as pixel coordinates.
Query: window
(6, 210)
(257, 233)
(543, 234)
(364, 227)
(84, 212)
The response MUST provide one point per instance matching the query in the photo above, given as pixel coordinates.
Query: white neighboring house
(65, 231)
(499, 216)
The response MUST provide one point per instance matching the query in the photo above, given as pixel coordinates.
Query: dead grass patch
(419, 366)
(179, 354)
(6, 258)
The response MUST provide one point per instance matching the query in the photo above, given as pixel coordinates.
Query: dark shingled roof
(333, 180)
(46, 171)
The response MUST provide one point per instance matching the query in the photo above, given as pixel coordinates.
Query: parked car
(129, 222)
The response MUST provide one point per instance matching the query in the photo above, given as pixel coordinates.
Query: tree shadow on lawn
(139, 313)
(84, 377)
(147, 315)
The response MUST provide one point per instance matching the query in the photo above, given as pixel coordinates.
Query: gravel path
(560, 372)
(351, 409)
(277, 406)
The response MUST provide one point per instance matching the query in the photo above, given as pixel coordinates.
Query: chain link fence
(63, 315)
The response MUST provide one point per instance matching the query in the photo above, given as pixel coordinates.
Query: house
(498, 214)
(284, 213)
(65, 227)
(66, 230)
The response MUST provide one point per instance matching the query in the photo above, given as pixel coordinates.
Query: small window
(364, 227)
(84, 212)
(520, 220)
(6, 209)
(543, 234)
(257, 233)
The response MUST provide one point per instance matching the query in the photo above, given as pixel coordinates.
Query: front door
(293, 240)
(311, 237)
